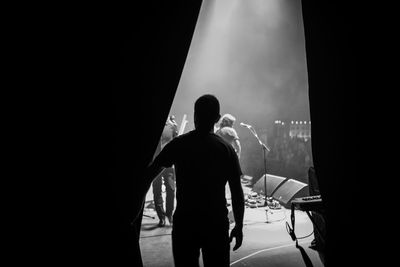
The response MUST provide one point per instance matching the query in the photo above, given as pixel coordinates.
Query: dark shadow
(98, 69)
(338, 64)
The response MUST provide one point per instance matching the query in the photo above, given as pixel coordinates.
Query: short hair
(206, 109)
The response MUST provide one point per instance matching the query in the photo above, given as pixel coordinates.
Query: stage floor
(266, 241)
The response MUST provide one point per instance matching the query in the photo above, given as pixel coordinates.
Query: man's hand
(238, 235)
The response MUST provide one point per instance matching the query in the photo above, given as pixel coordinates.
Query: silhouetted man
(204, 163)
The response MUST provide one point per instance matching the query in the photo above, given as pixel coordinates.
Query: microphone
(245, 125)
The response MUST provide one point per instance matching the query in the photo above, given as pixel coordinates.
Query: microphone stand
(265, 149)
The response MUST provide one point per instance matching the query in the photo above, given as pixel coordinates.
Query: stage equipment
(265, 149)
(288, 190)
(273, 182)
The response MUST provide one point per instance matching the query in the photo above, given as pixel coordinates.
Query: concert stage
(264, 244)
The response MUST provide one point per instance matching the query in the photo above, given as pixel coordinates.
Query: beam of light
(251, 55)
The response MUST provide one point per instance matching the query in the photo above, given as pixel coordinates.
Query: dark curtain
(343, 43)
(152, 52)
(95, 86)
(152, 55)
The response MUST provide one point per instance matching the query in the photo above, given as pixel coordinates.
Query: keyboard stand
(308, 204)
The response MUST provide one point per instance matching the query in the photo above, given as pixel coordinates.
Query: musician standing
(228, 133)
(167, 177)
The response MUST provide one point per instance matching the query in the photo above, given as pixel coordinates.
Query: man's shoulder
(183, 137)
(194, 136)
(218, 137)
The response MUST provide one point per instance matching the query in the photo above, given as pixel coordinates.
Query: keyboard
(310, 203)
(311, 198)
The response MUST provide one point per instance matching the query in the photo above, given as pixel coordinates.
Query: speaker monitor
(288, 190)
(273, 183)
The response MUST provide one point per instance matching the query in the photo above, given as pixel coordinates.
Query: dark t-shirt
(204, 162)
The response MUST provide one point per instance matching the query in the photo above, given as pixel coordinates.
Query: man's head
(227, 120)
(206, 112)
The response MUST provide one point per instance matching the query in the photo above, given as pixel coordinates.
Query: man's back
(204, 163)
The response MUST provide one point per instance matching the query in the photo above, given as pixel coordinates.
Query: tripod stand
(265, 150)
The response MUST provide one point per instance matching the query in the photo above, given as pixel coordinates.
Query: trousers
(168, 178)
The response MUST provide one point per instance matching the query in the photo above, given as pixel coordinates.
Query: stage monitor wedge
(273, 183)
(288, 190)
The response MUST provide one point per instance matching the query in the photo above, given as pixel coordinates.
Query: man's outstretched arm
(238, 210)
(162, 161)
(152, 171)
